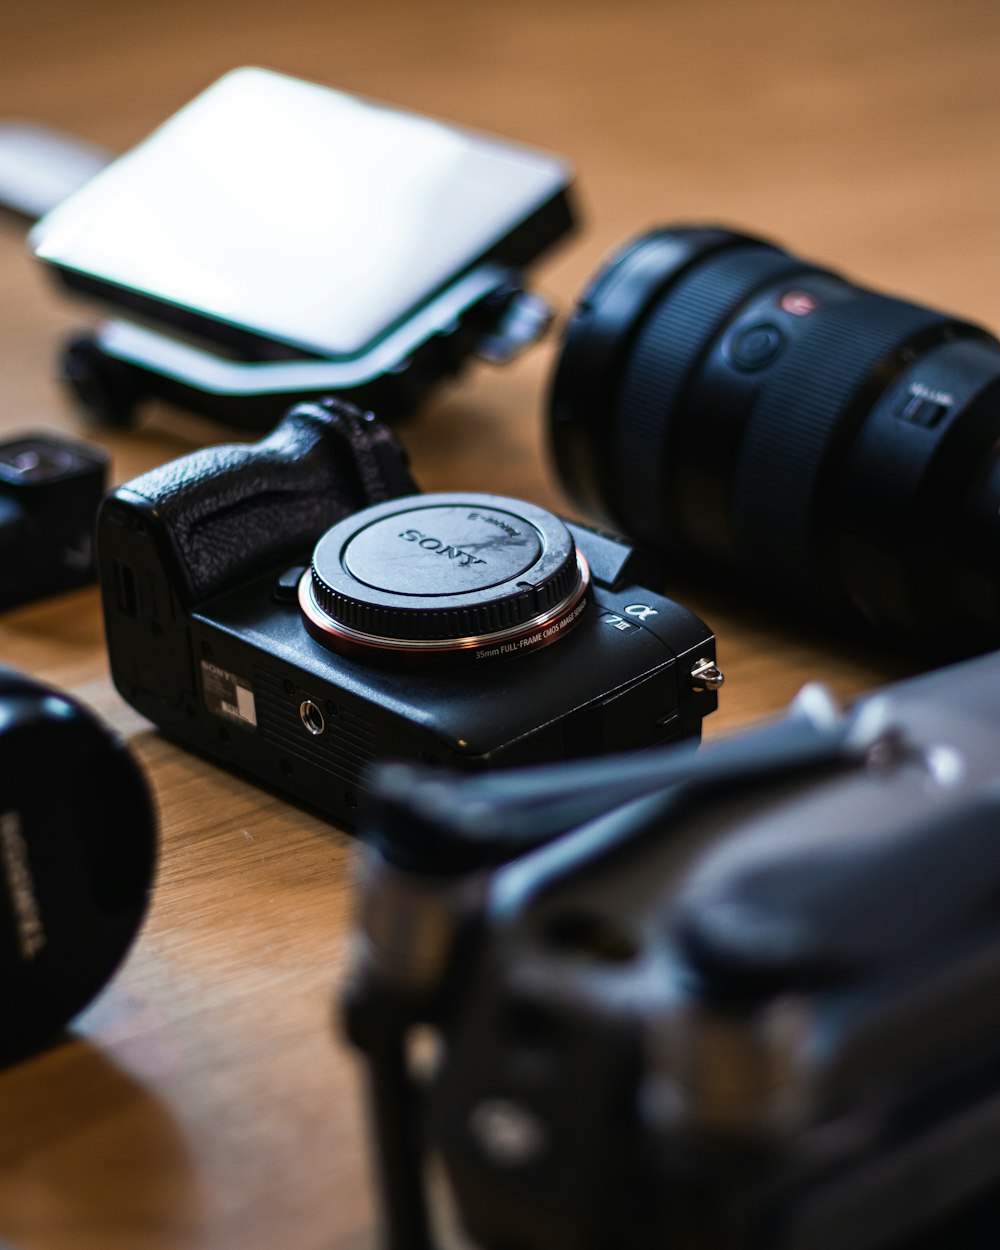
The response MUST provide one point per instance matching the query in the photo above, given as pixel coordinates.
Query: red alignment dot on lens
(798, 303)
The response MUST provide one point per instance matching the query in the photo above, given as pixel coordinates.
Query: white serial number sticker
(227, 694)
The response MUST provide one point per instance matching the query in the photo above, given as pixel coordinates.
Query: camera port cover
(465, 573)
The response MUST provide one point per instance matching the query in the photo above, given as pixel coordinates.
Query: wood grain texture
(203, 1102)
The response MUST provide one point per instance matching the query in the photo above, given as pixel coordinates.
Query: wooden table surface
(204, 1101)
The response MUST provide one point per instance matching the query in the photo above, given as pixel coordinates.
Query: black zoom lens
(722, 400)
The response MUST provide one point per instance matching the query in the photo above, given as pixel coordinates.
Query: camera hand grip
(229, 511)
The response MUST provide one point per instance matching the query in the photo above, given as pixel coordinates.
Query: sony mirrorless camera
(740, 998)
(257, 610)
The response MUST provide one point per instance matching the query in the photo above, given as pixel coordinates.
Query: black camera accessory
(472, 575)
(292, 241)
(77, 855)
(729, 403)
(739, 997)
(50, 489)
(257, 610)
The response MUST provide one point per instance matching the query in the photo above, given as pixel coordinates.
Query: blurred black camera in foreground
(77, 855)
(744, 998)
(50, 489)
(282, 241)
(729, 403)
(257, 610)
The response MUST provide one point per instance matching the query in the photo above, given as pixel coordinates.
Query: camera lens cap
(77, 853)
(445, 574)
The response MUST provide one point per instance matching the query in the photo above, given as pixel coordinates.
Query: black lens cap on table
(445, 574)
(77, 856)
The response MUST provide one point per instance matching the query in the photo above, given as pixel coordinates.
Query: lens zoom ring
(667, 350)
(810, 404)
(430, 624)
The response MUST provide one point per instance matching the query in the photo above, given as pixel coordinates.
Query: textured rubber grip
(232, 510)
(808, 406)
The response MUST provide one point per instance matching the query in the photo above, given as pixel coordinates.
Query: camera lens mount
(468, 575)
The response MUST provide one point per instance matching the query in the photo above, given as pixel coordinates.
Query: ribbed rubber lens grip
(810, 407)
(666, 353)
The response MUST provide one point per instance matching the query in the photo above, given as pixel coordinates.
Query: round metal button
(756, 346)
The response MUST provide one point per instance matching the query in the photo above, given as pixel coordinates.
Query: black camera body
(302, 662)
(50, 490)
(741, 997)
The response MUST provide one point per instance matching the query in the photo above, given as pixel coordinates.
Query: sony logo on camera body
(429, 543)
